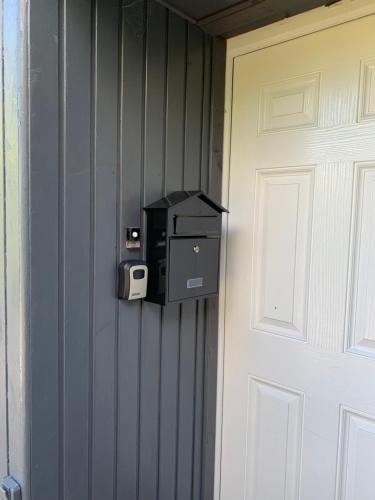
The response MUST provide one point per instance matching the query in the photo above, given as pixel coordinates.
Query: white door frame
(295, 27)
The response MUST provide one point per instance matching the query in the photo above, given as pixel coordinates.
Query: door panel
(275, 427)
(361, 335)
(357, 456)
(299, 397)
(282, 255)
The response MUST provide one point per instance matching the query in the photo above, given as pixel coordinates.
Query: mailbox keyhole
(196, 249)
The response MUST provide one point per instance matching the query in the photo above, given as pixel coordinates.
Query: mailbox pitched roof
(179, 197)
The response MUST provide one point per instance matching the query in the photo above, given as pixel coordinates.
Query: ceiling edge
(178, 12)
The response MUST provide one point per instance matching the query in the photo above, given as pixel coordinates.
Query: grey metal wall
(126, 105)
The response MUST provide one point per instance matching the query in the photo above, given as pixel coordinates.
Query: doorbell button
(133, 237)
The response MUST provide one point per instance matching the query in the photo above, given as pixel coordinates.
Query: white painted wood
(355, 477)
(361, 334)
(308, 259)
(282, 251)
(367, 91)
(327, 304)
(290, 104)
(274, 426)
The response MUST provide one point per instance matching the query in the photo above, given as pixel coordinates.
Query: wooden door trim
(304, 24)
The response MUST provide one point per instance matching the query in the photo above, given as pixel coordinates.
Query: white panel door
(299, 368)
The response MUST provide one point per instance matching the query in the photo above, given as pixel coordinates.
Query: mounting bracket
(10, 489)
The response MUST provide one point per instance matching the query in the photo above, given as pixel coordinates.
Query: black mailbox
(183, 247)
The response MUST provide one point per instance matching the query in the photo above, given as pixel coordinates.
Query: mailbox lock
(196, 248)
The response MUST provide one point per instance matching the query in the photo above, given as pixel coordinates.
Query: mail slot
(183, 247)
(197, 225)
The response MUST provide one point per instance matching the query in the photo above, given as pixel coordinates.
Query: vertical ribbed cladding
(130, 196)
(123, 111)
(76, 208)
(92, 344)
(46, 246)
(153, 165)
(188, 330)
(104, 171)
(217, 87)
(61, 86)
(167, 139)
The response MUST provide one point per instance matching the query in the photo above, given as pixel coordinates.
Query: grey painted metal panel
(217, 119)
(186, 400)
(130, 196)
(175, 107)
(194, 108)
(210, 384)
(188, 329)
(76, 228)
(173, 179)
(103, 307)
(206, 113)
(122, 395)
(154, 151)
(44, 265)
(169, 402)
(200, 348)
(211, 346)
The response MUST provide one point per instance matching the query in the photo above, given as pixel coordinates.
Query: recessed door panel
(355, 478)
(282, 255)
(274, 441)
(362, 288)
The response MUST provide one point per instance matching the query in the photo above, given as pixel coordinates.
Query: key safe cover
(183, 247)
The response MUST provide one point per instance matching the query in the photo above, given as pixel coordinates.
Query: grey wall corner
(14, 243)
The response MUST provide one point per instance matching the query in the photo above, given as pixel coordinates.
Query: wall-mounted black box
(183, 247)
